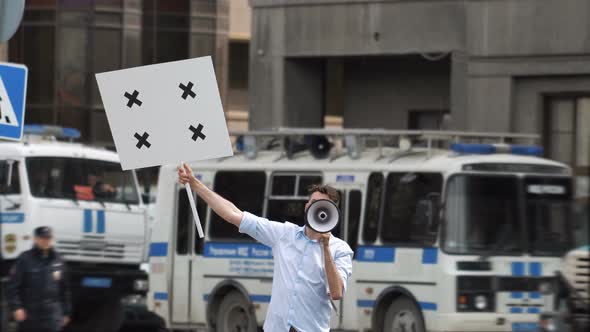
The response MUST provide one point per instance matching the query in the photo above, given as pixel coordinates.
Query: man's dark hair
(326, 190)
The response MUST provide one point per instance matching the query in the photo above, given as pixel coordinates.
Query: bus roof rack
(353, 139)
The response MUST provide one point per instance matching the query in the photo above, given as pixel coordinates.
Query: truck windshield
(81, 179)
(481, 215)
(484, 213)
(549, 212)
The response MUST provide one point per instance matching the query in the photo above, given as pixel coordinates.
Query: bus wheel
(234, 314)
(5, 313)
(403, 316)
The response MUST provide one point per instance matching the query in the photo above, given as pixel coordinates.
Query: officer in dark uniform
(37, 291)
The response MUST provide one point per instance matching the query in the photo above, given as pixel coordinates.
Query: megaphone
(322, 216)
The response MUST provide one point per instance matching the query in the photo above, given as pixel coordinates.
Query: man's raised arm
(224, 208)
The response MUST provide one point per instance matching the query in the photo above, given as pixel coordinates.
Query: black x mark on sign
(197, 132)
(187, 90)
(132, 98)
(142, 140)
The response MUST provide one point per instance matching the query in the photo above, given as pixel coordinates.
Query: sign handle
(191, 199)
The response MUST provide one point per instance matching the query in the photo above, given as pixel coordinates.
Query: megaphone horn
(322, 216)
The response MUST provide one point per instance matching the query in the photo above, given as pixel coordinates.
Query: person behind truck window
(299, 301)
(38, 294)
(99, 188)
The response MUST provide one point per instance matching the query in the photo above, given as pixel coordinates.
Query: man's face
(92, 179)
(316, 196)
(43, 243)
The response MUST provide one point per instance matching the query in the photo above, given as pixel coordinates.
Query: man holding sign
(299, 301)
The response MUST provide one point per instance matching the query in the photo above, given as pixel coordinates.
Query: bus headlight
(546, 287)
(140, 285)
(480, 302)
(547, 324)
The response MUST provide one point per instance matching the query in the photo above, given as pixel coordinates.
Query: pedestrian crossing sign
(13, 91)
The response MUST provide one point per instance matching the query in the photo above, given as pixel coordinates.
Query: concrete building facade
(494, 65)
(65, 42)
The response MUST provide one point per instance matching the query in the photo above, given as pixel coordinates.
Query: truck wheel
(104, 316)
(403, 316)
(4, 311)
(234, 314)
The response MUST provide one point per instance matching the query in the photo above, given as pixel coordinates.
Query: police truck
(95, 211)
(452, 231)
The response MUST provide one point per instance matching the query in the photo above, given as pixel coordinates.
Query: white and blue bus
(463, 238)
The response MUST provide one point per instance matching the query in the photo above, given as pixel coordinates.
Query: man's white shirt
(299, 298)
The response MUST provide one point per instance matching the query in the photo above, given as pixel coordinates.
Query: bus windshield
(481, 215)
(484, 214)
(81, 179)
(549, 213)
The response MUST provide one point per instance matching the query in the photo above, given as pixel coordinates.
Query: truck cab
(95, 210)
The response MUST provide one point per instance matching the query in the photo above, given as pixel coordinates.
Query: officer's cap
(44, 232)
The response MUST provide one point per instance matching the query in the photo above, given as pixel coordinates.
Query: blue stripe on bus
(87, 221)
(429, 255)
(517, 269)
(534, 295)
(12, 218)
(260, 298)
(428, 306)
(237, 250)
(365, 303)
(516, 295)
(161, 296)
(535, 269)
(376, 254)
(371, 303)
(100, 222)
(533, 310)
(253, 298)
(518, 327)
(516, 310)
(158, 249)
(345, 178)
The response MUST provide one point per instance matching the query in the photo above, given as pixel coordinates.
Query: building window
(246, 190)
(426, 119)
(166, 30)
(567, 136)
(238, 75)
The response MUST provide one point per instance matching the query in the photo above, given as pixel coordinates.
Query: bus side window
(183, 223)
(354, 217)
(246, 190)
(202, 208)
(403, 218)
(288, 196)
(339, 230)
(373, 207)
(5, 171)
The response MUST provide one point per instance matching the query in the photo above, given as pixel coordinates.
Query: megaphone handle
(191, 199)
(326, 275)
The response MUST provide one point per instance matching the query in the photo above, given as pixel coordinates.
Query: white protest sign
(166, 114)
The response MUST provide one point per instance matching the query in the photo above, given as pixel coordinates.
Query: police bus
(95, 210)
(451, 231)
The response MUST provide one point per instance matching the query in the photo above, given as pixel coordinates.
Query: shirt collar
(300, 234)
